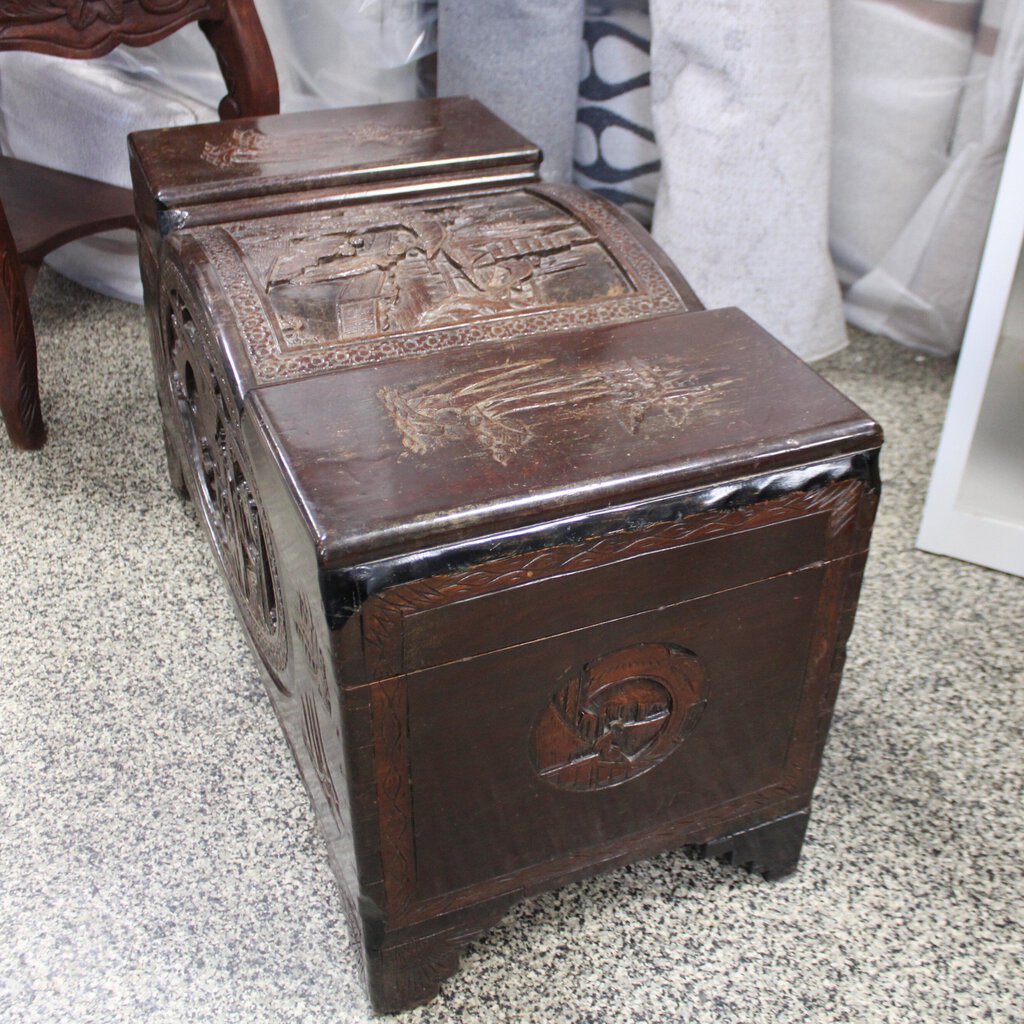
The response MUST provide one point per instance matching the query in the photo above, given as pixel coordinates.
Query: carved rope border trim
(383, 613)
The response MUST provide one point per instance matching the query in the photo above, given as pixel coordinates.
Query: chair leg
(19, 381)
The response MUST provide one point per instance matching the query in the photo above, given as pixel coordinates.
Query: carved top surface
(326, 148)
(464, 441)
(376, 281)
(88, 28)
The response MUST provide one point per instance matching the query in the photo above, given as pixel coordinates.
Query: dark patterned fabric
(615, 153)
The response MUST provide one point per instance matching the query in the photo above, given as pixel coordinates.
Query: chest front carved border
(849, 505)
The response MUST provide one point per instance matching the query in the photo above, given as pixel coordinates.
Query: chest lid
(176, 169)
(299, 294)
(461, 443)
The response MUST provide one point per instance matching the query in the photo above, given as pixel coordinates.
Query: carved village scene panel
(361, 272)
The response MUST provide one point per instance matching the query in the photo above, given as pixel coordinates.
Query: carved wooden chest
(547, 567)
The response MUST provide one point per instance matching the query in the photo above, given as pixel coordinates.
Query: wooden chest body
(547, 567)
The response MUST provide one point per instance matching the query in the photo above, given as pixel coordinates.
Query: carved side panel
(89, 28)
(222, 482)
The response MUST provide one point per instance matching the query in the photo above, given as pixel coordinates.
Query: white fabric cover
(520, 58)
(909, 234)
(75, 116)
(741, 112)
(897, 87)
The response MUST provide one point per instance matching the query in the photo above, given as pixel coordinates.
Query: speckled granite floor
(159, 861)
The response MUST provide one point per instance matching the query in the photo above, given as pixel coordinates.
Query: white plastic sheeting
(923, 92)
(75, 115)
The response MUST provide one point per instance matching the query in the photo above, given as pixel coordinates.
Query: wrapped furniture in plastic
(75, 116)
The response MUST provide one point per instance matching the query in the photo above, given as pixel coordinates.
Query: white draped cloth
(816, 159)
(742, 112)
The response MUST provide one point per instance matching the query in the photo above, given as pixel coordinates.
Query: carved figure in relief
(314, 741)
(496, 406)
(390, 268)
(624, 713)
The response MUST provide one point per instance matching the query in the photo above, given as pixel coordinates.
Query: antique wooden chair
(43, 208)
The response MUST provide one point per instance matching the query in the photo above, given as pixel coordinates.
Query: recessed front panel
(665, 681)
(521, 754)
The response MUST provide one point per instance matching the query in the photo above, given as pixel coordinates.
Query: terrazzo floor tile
(159, 861)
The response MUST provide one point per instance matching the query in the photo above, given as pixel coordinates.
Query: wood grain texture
(188, 169)
(766, 780)
(19, 382)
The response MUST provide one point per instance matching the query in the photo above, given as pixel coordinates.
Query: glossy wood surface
(547, 568)
(326, 148)
(613, 414)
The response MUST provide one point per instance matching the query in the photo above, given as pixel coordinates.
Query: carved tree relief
(619, 716)
(496, 406)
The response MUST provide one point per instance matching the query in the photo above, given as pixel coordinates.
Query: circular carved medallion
(619, 716)
(223, 488)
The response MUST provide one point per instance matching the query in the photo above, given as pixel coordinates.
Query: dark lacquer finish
(324, 149)
(46, 208)
(547, 567)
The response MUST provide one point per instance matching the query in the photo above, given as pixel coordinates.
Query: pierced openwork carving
(92, 27)
(495, 406)
(364, 284)
(619, 716)
(247, 146)
(223, 488)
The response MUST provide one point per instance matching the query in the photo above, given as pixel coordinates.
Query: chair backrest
(85, 29)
